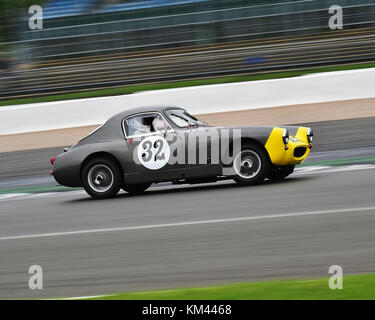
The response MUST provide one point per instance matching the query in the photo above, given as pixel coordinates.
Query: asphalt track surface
(179, 236)
(174, 237)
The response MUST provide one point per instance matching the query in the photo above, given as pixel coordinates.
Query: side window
(144, 124)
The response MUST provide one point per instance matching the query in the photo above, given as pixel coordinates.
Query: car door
(151, 149)
(200, 143)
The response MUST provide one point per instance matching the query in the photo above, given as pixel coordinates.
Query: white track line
(330, 169)
(84, 297)
(188, 223)
(44, 194)
(12, 195)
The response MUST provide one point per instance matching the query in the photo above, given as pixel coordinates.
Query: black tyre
(101, 178)
(279, 173)
(251, 165)
(136, 188)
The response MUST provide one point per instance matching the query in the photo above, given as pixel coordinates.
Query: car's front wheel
(136, 188)
(101, 178)
(250, 165)
(279, 173)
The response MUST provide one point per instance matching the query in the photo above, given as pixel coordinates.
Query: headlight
(285, 136)
(310, 135)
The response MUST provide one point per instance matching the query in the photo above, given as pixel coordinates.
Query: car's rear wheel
(250, 165)
(136, 188)
(101, 178)
(279, 173)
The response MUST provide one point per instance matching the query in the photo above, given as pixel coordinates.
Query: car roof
(131, 111)
(111, 128)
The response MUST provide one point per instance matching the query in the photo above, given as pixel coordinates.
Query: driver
(159, 124)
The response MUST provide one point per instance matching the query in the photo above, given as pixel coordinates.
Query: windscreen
(183, 119)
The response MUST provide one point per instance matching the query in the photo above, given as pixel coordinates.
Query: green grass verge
(338, 162)
(180, 84)
(354, 287)
(40, 189)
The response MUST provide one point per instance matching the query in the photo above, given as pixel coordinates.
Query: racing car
(142, 146)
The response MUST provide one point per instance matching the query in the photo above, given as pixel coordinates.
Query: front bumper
(294, 152)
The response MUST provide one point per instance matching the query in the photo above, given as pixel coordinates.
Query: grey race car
(142, 146)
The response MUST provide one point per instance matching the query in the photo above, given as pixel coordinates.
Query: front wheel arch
(252, 141)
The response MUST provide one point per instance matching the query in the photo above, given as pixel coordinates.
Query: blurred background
(92, 44)
(91, 48)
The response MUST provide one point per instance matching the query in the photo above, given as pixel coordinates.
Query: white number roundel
(153, 152)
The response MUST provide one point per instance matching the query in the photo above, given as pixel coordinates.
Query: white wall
(324, 87)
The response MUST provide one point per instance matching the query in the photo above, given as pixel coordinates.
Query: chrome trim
(94, 181)
(285, 136)
(246, 162)
(310, 135)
